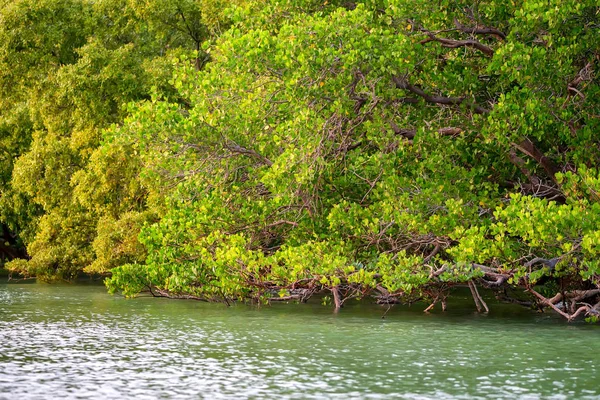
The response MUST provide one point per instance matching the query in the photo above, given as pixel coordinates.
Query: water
(76, 341)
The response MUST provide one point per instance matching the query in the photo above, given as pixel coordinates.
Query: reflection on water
(79, 342)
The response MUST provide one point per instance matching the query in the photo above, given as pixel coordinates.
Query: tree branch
(282, 222)
(402, 83)
(236, 148)
(548, 302)
(410, 133)
(479, 30)
(527, 147)
(453, 44)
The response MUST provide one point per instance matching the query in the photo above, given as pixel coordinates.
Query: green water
(75, 341)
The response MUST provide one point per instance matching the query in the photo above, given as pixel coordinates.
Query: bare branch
(450, 131)
(547, 302)
(584, 75)
(402, 83)
(551, 263)
(236, 148)
(527, 147)
(479, 30)
(435, 250)
(410, 133)
(437, 272)
(453, 44)
(282, 222)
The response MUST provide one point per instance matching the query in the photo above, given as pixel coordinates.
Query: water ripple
(77, 342)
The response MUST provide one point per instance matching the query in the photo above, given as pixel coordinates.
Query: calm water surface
(76, 341)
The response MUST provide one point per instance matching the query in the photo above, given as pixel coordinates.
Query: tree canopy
(261, 150)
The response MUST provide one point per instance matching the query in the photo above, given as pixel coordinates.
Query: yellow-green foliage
(67, 71)
(337, 146)
(236, 149)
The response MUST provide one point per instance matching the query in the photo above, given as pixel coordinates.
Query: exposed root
(586, 308)
(479, 303)
(430, 306)
(337, 298)
(301, 295)
(165, 293)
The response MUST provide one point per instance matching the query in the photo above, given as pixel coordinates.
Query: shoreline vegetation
(458, 296)
(260, 150)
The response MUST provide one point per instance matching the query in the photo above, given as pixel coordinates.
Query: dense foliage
(273, 150)
(67, 70)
